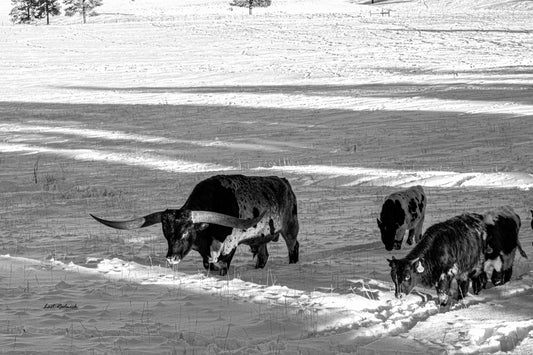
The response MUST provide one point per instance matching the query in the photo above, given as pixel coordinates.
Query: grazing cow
(401, 211)
(449, 251)
(503, 225)
(222, 212)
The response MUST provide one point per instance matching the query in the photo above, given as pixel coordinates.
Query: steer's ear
(392, 261)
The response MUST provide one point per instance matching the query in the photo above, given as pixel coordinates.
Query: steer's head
(180, 233)
(392, 224)
(182, 229)
(404, 273)
(391, 234)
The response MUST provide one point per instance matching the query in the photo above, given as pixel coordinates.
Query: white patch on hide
(489, 219)
(508, 259)
(454, 270)
(214, 251)
(493, 264)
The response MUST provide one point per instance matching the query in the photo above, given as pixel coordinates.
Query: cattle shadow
(461, 30)
(514, 72)
(235, 135)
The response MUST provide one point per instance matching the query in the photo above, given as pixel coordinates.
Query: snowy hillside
(124, 115)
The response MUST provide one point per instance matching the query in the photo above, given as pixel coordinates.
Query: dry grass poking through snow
(125, 115)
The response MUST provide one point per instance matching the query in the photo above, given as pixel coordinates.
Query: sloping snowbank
(143, 160)
(403, 178)
(497, 320)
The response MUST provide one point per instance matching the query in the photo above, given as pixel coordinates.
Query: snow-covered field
(124, 115)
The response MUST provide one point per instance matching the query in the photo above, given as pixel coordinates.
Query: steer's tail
(522, 252)
(135, 223)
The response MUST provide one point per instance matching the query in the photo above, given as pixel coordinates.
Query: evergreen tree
(22, 11)
(251, 4)
(45, 8)
(82, 7)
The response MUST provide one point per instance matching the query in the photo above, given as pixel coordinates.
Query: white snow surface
(497, 320)
(452, 58)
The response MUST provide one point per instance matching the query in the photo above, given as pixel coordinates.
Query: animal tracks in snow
(367, 314)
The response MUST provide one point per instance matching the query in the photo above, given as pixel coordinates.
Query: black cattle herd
(224, 211)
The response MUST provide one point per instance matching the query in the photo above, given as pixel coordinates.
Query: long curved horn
(224, 219)
(140, 222)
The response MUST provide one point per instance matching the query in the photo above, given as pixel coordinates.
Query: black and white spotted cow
(401, 211)
(449, 251)
(222, 212)
(503, 225)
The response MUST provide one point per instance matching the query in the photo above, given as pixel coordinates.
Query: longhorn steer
(503, 225)
(222, 212)
(401, 211)
(450, 250)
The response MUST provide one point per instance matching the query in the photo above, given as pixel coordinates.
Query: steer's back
(503, 225)
(455, 242)
(405, 206)
(246, 197)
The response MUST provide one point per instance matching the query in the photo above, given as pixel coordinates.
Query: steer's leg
(497, 277)
(411, 236)
(214, 251)
(261, 252)
(294, 254)
(290, 236)
(224, 262)
(479, 282)
(208, 265)
(507, 274)
(222, 265)
(508, 260)
(463, 288)
(418, 230)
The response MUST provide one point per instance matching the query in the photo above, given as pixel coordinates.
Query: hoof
(221, 267)
(294, 255)
(261, 261)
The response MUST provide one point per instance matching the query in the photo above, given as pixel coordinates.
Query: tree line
(25, 11)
